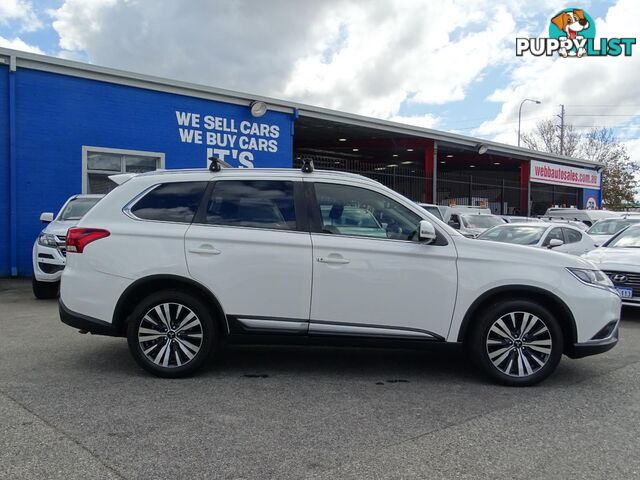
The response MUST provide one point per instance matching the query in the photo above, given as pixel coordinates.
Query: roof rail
(216, 164)
(307, 165)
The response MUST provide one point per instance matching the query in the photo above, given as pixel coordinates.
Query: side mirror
(46, 217)
(555, 242)
(426, 231)
(454, 224)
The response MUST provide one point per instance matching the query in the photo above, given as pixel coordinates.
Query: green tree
(619, 184)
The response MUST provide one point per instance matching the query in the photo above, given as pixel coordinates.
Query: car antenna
(217, 164)
(307, 165)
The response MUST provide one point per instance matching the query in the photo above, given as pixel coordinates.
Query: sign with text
(241, 142)
(552, 173)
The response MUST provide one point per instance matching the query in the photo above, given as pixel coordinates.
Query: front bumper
(593, 347)
(48, 263)
(85, 323)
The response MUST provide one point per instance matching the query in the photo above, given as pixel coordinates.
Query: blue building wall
(57, 114)
(4, 171)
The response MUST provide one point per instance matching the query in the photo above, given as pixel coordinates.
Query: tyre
(171, 333)
(45, 290)
(517, 342)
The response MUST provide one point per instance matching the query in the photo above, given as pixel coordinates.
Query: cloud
(425, 121)
(364, 57)
(20, 11)
(19, 44)
(597, 91)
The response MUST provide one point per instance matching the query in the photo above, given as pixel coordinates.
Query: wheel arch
(147, 285)
(546, 298)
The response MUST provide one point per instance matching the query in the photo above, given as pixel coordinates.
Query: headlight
(591, 277)
(47, 240)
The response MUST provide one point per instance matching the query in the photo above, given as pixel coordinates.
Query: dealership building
(66, 126)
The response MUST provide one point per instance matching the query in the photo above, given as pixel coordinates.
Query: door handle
(205, 250)
(333, 259)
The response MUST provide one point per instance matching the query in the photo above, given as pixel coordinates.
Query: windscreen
(610, 227)
(77, 208)
(517, 234)
(481, 221)
(630, 238)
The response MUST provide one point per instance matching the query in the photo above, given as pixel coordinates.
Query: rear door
(371, 276)
(251, 247)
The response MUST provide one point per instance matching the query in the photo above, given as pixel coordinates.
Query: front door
(249, 248)
(371, 275)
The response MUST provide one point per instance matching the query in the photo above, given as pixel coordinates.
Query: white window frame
(117, 151)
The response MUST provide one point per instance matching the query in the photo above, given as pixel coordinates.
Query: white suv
(178, 261)
(49, 249)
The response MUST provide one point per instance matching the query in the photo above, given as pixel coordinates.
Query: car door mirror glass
(46, 217)
(426, 231)
(555, 242)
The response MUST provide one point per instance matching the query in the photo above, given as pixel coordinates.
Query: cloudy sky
(446, 64)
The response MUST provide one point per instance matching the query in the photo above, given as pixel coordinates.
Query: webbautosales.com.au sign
(572, 33)
(554, 174)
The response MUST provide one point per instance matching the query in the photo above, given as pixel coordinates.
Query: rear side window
(571, 236)
(171, 202)
(252, 203)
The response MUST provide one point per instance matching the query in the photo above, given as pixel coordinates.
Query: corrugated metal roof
(94, 72)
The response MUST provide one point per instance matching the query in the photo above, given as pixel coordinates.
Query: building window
(98, 163)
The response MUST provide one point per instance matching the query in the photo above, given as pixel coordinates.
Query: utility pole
(561, 116)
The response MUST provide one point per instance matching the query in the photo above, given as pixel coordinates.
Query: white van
(588, 217)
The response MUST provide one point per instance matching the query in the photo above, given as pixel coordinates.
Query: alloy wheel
(170, 335)
(519, 344)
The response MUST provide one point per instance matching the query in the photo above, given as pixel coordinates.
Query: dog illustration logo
(576, 26)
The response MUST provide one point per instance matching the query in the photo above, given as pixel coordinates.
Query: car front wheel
(171, 334)
(517, 342)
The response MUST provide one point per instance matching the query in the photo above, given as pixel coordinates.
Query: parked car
(566, 239)
(473, 224)
(619, 259)
(434, 210)
(588, 217)
(603, 230)
(178, 261)
(448, 211)
(49, 249)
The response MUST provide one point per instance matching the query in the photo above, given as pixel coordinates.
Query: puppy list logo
(572, 33)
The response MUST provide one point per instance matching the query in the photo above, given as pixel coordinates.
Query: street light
(520, 113)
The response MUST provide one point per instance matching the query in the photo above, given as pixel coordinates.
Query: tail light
(78, 238)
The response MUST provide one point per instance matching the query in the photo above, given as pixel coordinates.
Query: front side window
(170, 202)
(252, 203)
(347, 210)
(555, 233)
(101, 162)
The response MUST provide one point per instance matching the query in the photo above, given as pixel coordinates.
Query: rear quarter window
(170, 202)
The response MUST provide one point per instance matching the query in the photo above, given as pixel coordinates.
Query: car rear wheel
(171, 334)
(45, 290)
(517, 342)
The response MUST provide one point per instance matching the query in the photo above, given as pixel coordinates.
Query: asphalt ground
(77, 406)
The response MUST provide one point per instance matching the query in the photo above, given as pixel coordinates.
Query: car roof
(253, 172)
